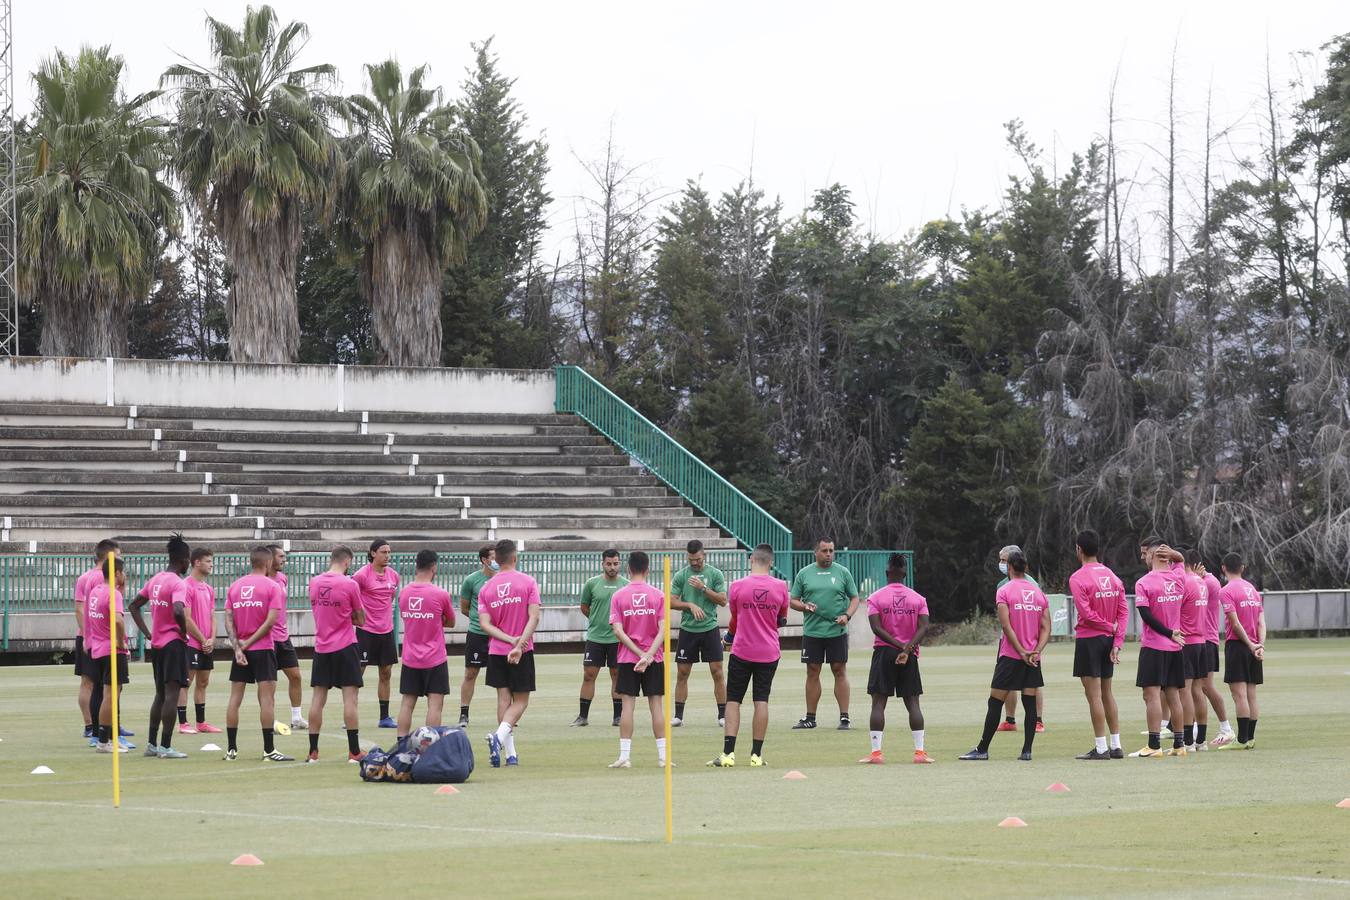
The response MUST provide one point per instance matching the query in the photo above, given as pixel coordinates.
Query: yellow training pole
(111, 563)
(670, 750)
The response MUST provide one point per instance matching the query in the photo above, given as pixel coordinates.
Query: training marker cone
(211, 748)
(1344, 804)
(1058, 787)
(42, 770)
(1012, 822)
(447, 789)
(248, 859)
(794, 775)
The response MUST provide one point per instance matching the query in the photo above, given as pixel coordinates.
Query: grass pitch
(1239, 823)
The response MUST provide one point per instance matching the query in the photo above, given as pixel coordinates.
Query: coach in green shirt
(697, 590)
(602, 646)
(476, 640)
(827, 595)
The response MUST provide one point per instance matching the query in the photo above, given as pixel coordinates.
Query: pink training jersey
(757, 603)
(199, 598)
(159, 591)
(83, 585)
(377, 597)
(638, 607)
(1213, 608)
(333, 598)
(247, 602)
(282, 631)
(899, 608)
(1026, 607)
(1193, 603)
(1099, 601)
(1161, 593)
(507, 598)
(99, 623)
(426, 611)
(1238, 596)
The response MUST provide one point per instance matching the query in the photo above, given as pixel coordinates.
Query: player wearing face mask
(1009, 722)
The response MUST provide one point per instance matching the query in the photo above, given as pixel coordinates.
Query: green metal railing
(718, 499)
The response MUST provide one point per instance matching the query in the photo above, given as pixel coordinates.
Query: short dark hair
(260, 556)
(611, 553)
(485, 552)
(1152, 540)
(200, 553)
(1232, 561)
(506, 549)
(425, 559)
(694, 546)
(823, 540)
(375, 545)
(1192, 555)
(762, 554)
(178, 548)
(896, 564)
(106, 546)
(275, 547)
(1089, 542)
(341, 553)
(638, 563)
(119, 565)
(1017, 562)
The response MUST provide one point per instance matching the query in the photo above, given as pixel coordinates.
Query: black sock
(154, 733)
(585, 708)
(990, 723)
(313, 743)
(756, 747)
(1189, 735)
(353, 745)
(201, 712)
(1155, 740)
(268, 738)
(167, 740)
(679, 710)
(1029, 734)
(1242, 729)
(810, 717)
(463, 712)
(104, 734)
(729, 744)
(721, 710)
(182, 715)
(1200, 730)
(88, 729)
(1251, 729)
(384, 709)
(232, 738)
(1011, 720)
(1178, 737)
(1038, 721)
(618, 708)
(843, 717)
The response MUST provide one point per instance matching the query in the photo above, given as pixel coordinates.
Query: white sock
(918, 740)
(661, 750)
(295, 713)
(1225, 728)
(503, 731)
(876, 741)
(1165, 723)
(510, 745)
(1101, 744)
(1115, 742)
(625, 748)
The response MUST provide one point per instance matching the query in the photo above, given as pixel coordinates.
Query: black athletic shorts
(1160, 668)
(287, 658)
(890, 680)
(1014, 675)
(170, 664)
(80, 655)
(200, 659)
(100, 670)
(825, 650)
(649, 683)
(422, 682)
(475, 650)
(519, 678)
(1092, 657)
(741, 673)
(262, 666)
(599, 655)
(1193, 661)
(1240, 665)
(377, 649)
(338, 669)
(699, 646)
(1211, 657)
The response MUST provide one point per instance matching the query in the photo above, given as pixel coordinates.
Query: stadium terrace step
(463, 545)
(79, 482)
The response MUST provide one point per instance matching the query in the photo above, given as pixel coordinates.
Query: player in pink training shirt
(336, 602)
(637, 613)
(1103, 614)
(251, 609)
(105, 627)
(1024, 614)
(508, 611)
(379, 586)
(90, 695)
(1244, 648)
(1162, 674)
(899, 620)
(426, 611)
(288, 661)
(759, 606)
(1211, 606)
(199, 604)
(168, 632)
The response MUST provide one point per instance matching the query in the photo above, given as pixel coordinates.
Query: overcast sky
(902, 102)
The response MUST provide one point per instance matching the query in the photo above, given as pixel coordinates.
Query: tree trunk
(83, 320)
(261, 308)
(405, 298)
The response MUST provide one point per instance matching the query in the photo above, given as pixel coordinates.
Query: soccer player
(899, 619)
(508, 610)
(90, 695)
(105, 626)
(1009, 722)
(199, 603)
(826, 592)
(252, 606)
(288, 661)
(1244, 649)
(169, 628)
(1211, 604)
(1103, 614)
(697, 590)
(426, 611)
(336, 602)
(1162, 673)
(602, 646)
(379, 586)
(1024, 615)
(475, 639)
(637, 612)
(759, 605)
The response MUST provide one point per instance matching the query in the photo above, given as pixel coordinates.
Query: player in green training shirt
(697, 590)
(828, 596)
(476, 639)
(602, 645)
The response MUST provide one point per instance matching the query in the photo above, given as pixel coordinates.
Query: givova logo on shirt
(639, 599)
(414, 610)
(1104, 582)
(1171, 587)
(246, 593)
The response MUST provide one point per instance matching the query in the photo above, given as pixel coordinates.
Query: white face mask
(1003, 567)
(493, 566)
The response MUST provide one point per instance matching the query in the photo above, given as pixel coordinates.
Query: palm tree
(254, 149)
(412, 199)
(91, 203)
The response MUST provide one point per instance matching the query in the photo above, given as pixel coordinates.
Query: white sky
(902, 102)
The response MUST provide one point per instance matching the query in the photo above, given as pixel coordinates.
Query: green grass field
(1247, 823)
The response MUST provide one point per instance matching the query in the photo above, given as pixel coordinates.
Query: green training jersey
(681, 589)
(596, 594)
(1005, 581)
(469, 591)
(830, 590)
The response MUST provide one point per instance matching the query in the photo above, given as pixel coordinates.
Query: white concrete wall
(124, 382)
